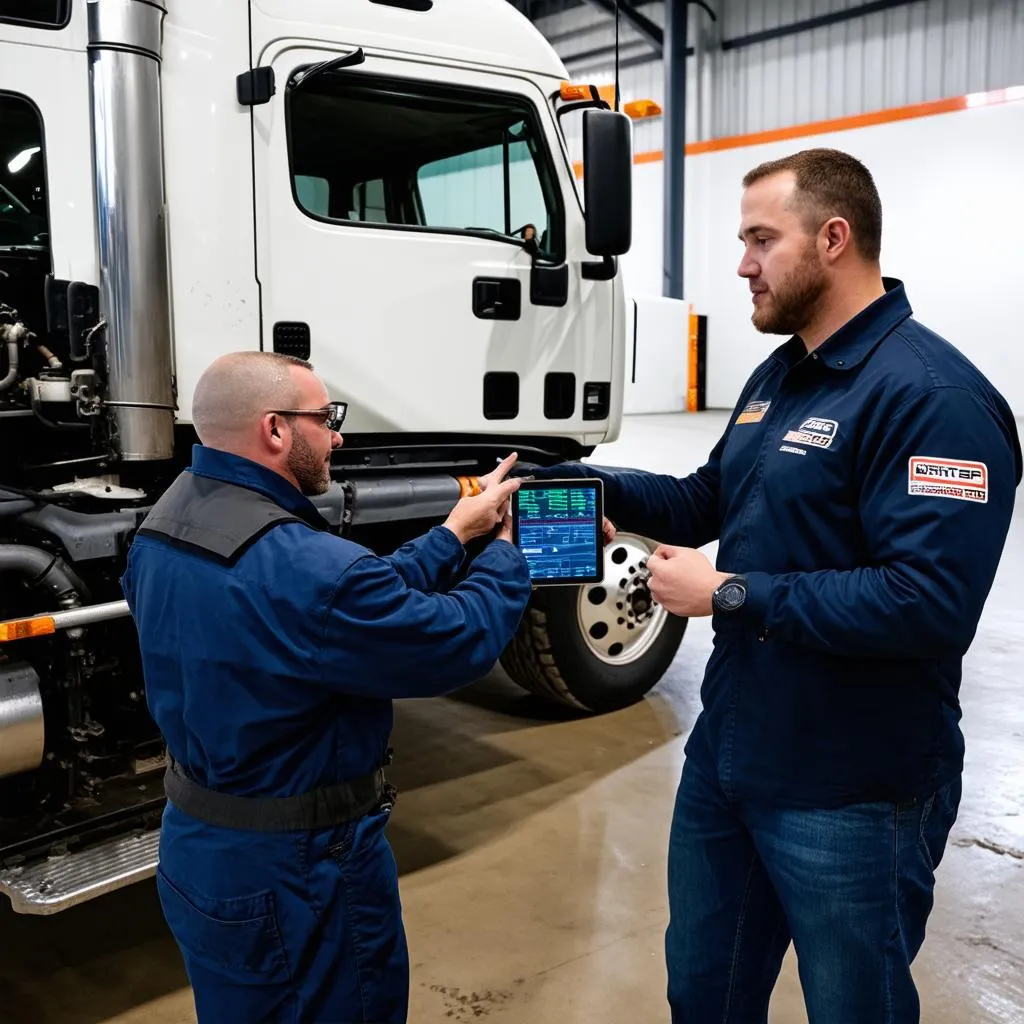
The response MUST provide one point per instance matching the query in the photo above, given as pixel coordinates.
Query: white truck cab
(382, 187)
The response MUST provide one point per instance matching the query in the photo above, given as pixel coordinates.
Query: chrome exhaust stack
(124, 80)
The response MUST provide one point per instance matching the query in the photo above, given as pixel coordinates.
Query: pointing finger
(506, 464)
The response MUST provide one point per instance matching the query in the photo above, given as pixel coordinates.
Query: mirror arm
(603, 271)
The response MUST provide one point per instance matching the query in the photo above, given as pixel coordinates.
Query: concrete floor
(532, 850)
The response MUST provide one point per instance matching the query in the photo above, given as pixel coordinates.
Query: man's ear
(836, 237)
(271, 432)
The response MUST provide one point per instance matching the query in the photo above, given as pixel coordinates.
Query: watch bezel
(733, 582)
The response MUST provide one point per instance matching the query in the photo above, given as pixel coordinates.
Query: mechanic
(861, 495)
(272, 649)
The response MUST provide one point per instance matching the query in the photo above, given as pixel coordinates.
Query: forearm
(887, 611)
(423, 644)
(429, 562)
(676, 511)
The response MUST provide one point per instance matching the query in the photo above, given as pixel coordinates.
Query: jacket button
(840, 362)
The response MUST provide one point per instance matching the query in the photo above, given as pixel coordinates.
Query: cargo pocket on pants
(236, 936)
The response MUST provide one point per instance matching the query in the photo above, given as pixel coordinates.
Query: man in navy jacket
(861, 496)
(272, 650)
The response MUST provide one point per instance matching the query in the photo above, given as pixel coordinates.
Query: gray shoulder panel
(220, 518)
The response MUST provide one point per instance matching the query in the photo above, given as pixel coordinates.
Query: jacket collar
(848, 347)
(234, 469)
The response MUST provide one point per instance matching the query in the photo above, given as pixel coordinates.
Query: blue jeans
(289, 927)
(850, 887)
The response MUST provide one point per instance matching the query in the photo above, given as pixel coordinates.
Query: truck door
(394, 199)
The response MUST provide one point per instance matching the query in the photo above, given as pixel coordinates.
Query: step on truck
(383, 187)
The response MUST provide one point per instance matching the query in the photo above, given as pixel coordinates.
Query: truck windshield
(408, 154)
(22, 176)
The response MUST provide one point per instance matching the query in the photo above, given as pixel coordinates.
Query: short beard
(795, 300)
(313, 476)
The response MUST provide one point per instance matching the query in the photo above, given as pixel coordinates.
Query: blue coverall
(274, 676)
(865, 491)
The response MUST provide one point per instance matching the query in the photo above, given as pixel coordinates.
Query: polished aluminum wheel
(619, 619)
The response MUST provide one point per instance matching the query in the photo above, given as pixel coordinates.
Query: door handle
(497, 298)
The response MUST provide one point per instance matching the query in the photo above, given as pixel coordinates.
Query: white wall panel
(951, 195)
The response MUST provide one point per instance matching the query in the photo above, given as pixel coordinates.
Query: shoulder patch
(948, 478)
(753, 413)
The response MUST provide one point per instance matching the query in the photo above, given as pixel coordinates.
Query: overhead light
(20, 162)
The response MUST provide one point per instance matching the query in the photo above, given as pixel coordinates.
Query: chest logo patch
(753, 413)
(949, 478)
(817, 433)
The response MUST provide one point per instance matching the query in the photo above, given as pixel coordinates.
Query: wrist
(457, 531)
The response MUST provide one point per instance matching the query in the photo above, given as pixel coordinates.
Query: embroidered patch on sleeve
(949, 478)
(753, 413)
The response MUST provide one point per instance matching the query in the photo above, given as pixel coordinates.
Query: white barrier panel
(657, 346)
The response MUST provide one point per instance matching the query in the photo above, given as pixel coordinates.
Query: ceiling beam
(648, 31)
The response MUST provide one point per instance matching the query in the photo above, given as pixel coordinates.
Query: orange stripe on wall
(838, 124)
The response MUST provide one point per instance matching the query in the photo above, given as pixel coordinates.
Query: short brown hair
(830, 183)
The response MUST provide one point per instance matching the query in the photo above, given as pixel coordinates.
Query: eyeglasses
(332, 415)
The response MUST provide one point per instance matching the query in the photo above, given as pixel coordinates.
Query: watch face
(731, 596)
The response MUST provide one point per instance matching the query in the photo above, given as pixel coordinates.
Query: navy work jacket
(866, 491)
(274, 676)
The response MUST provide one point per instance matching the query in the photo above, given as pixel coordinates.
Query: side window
(43, 13)
(23, 217)
(470, 189)
(570, 124)
(314, 194)
(422, 156)
(368, 203)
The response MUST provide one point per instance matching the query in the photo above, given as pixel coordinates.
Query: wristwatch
(730, 595)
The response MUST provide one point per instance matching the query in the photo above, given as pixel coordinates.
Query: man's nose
(749, 267)
(336, 439)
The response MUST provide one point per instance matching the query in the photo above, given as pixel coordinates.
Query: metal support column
(675, 143)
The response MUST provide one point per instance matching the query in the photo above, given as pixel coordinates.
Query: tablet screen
(557, 526)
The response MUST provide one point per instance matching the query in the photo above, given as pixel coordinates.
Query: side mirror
(608, 182)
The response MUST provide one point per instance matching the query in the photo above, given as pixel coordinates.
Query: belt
(317, 809)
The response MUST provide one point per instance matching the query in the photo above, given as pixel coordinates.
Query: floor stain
(985, 844)
(464, 1007)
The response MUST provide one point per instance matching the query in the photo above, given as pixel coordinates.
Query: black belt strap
(319, 809)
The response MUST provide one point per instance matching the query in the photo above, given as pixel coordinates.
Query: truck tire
(600, 647)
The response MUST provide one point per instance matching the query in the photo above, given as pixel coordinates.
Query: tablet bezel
(574, 483)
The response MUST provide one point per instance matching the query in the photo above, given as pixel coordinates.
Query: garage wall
(950, 182)
(953, 202)
(920, 51)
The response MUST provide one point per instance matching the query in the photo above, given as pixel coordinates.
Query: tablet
(557, 525)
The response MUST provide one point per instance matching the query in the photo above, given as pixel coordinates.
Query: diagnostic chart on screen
(558, 532)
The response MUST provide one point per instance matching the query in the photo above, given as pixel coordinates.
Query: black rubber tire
(550, 657)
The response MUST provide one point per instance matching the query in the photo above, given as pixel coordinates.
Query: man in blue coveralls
(272, 650)
(861, 495)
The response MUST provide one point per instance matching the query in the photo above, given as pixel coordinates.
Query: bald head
(237, 389)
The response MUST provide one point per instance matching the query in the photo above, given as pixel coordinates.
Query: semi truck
(383, 187)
